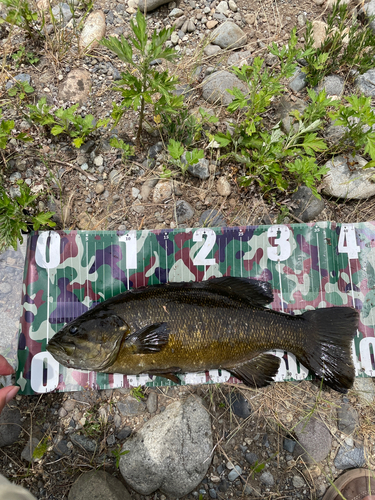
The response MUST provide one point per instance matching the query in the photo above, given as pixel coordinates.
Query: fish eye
(73, 330)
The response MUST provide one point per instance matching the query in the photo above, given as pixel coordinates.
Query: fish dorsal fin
(256, 292)
(148, 340)
(258, 372)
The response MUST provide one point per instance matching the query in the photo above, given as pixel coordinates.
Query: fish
(223, 323)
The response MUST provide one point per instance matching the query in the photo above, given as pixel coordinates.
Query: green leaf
(120, 47)
(175, 149)
(78, 142)
(57, 129)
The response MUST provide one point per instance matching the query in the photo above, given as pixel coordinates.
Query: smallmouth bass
(222, 323)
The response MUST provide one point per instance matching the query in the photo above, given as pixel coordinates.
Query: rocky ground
(249, 436)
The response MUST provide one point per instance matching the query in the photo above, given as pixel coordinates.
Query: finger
(6, 394)
(5, 367)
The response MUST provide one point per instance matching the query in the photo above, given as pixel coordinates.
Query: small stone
(232, 5)
(176, 13)
(115, 177)
(184, 211)
(222, 7)
(234, 473)
(99, 188)
(82, 441)
(155, 149)
(223, 187)
(211, 50)
(347, 417)
(308, 206)
(365, 389)
(298, 82)
(162, 191)
(93, 31)
(124, 433)
(135, 192)
(298, 482)
(131, 406)
(349, 457)
(152, 402)
(267, 479)
(289, 445)
(239, 404)
(212, 493)
(98, 161)
(212, 218)
(199, 169)
(15, 177)
(27, 452)
(111, 440)
(251, 458)
(314, 440)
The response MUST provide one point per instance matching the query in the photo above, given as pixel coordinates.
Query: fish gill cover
(309, 266)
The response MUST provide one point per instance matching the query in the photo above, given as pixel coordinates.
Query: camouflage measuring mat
(309, 266)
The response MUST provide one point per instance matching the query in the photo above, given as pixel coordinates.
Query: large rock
(214, 87)
(347, 179)
(93, 31)
(314, 440)
(96, 485)
(229, 35)
(366, 82)
(349, 457)
(171, 450)
(333, 85)
(149, 5)
(76, 87)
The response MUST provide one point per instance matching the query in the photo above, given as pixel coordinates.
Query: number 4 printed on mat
(348, 241)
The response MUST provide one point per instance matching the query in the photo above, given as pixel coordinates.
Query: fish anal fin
(148, 340)
(169, 373)
(258, 372)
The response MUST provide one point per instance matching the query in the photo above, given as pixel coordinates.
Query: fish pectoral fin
(258, 372)
(169, 373)
(148, 340)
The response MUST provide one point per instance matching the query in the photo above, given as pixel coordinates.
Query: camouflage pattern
(309, 266)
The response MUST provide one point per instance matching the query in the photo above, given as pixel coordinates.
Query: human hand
(6, 393)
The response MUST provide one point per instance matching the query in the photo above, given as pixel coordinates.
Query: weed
(16, 217)
(117, 453)
(24, 57)
(19, 14)
(358, 119)
(65, 121)
(93, 425)
(143, 82)
(347, 45)
(181, 158)
(41, 449)
(6, 127)
(137, 393)
(21, 89)
(127, 149)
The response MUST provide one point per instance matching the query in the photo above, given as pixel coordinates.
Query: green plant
(93, 425)
(19, 14)
(306, 171)
(358, 118)
(137, 393)
(41, 449)
(143, 83)
(65, 121)
(186, 127)
(15, 216)
(267, 152)
(20, 88)
(22, 56)
(176, 150)
(6, 127)
(347, 45)
(127, 149)
(117, 453)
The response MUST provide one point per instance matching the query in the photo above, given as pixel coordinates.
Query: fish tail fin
(328, 345)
